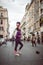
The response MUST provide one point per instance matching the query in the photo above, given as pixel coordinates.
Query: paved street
(28, 57)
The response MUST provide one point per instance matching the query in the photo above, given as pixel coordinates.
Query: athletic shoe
(16, 53)
(19, 52)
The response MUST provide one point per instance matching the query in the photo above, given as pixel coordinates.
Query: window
(1, 28)
(1, 14)
(41, 10)
(1, 21)
(1, 36)
(41, 1)
(24, 28)
(41, 22)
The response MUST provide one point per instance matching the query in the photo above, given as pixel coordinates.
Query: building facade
(38, 18)
(33, 18)
(29, 19)
(4, 26)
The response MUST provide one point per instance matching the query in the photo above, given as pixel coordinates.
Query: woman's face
(18, 25)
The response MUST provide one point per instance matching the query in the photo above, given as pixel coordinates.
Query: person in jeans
(18, 39)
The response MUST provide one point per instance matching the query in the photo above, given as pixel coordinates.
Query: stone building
(33, 18)
(4, 26)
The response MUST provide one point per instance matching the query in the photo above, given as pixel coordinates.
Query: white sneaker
(17, 54)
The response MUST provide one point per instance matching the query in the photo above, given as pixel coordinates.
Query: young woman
(18, 39)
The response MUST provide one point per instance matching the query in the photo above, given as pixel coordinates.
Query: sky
(16, 11)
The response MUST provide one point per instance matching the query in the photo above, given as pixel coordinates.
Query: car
(2, 41)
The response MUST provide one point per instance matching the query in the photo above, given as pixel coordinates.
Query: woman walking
(18, 40)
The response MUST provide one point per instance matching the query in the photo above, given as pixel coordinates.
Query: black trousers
(17, 43)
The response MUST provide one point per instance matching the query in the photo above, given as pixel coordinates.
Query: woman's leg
(21, 45)
(16, 45)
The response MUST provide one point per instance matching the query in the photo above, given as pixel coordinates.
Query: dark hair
(18, 22)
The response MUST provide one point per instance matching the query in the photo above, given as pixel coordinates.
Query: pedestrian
(13, 40)
(38, 39)
(33, 40)
(18, 39)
